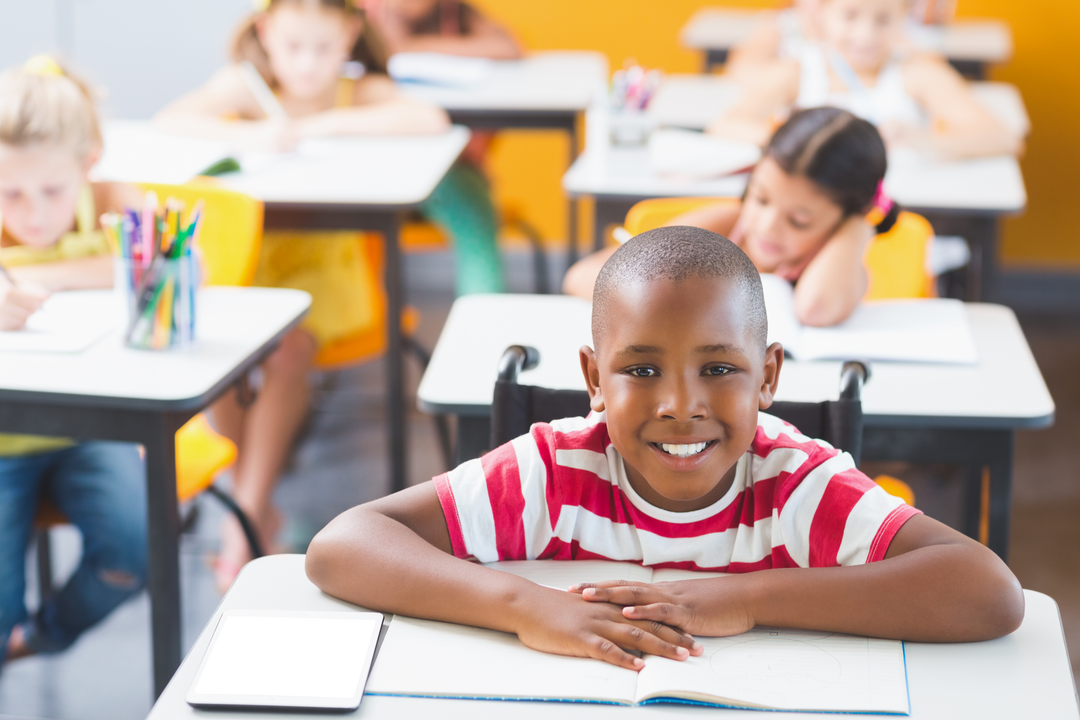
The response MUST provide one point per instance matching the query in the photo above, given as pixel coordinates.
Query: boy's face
(679, 366)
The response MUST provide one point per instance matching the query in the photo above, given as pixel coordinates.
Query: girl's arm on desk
(934, 585)
(378, 109)
(834, 282)
(483, 37)
(960, 126)
(394, 555)
(773, 92)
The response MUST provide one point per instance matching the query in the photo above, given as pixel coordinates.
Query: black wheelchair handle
(515, 359)
(853, 375)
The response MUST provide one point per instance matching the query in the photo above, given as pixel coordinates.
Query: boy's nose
(682, 403)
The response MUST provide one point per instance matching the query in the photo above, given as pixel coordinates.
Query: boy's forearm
(942, 593)
(372, 560)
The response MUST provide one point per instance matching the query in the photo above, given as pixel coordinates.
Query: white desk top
(461, 376)
(548, 81)
(693, 101)
(231, 325)
(1025, 674)
(976, 40)
(992, 185)
(375, 170)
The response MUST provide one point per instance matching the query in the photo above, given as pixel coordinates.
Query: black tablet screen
(287, 656)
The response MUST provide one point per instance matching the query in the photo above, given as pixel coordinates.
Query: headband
(43, 66)
(883, 205)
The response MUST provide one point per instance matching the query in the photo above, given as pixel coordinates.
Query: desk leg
(572, 202)
(395, 361)
(981, 232)
(164, 546)
(714, 59)
(1001, 464)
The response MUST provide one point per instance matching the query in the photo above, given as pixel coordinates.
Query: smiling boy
(675, 467)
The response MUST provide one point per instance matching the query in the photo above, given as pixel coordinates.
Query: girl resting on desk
(326, 66)
(441, 26)
(917, 100)
(783, 35)
(51, 241)
(811, 207)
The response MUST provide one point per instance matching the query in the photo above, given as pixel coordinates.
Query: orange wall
(527, 166)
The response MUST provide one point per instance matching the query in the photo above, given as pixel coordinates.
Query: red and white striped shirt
(561, 493)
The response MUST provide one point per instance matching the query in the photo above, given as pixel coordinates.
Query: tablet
(278, 659)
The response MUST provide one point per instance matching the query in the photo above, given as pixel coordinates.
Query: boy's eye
(718, 370)
(642, 371)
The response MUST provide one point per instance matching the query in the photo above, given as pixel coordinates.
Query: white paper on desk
(69, 322)
(690, 154)
(137, 152)
(928, 330)
(440, 69)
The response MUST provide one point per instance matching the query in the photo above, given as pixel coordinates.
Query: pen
(262, 92)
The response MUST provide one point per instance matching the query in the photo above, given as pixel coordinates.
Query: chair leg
(44, 564)
(442, 426)
(540, 266)
(245, 522)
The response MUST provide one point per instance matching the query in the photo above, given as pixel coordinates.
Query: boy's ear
(591, 371)
(770, 376)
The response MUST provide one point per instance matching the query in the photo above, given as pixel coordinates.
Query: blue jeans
(101, 488)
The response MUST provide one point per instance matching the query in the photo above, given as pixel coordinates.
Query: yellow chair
(895, 261)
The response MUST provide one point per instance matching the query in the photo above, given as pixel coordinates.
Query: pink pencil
(149, 224)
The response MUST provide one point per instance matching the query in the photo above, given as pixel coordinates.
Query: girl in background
(51, 241)
(861, 64)
(811, 208)
(327, 66)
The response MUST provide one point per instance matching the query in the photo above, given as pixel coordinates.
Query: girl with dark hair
(811, 207)
(441, 26)
(326, 66)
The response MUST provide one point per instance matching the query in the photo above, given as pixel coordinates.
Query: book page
(934, 331)
(786, 669)
(784, 327)
(564, 573)
(69, 322)
(428, 658)
(689, 154)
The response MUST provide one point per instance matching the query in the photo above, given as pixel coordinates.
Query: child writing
(916, 100)
(302, 49)
(804, 215)
(51, 241)
(679, 466)
(441, 26)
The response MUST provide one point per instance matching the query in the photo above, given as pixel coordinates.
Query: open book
(766, 668)
(695, 155)
(929, 330)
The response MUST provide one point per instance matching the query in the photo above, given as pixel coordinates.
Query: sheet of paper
(684, 153)
(69, 322)
(427, 658)
(440, 69)
(934, 331)
(137, 152)
(788, 670)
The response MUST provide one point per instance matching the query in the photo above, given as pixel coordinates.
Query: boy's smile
(681, 376)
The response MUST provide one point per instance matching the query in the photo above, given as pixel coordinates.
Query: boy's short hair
(677, 253)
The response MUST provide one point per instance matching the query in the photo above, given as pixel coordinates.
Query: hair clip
(44, 66)
(883, 205)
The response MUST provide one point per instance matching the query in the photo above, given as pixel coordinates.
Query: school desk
(547, 90)
(1025, 674)
(966, 198)
(970, 45)
(109, 392)
(917, 412)
(358, 183)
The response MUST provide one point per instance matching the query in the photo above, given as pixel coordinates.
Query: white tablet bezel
(203, 700)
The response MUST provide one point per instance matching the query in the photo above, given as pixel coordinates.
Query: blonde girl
(51, 241)
(861, 64)
(326, 65)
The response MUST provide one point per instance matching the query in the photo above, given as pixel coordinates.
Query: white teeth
(683, 450)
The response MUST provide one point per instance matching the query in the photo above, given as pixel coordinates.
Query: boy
(674, 467)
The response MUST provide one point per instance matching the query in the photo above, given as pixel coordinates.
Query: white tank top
(886, 101)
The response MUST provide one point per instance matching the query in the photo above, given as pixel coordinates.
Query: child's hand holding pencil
(18, 301)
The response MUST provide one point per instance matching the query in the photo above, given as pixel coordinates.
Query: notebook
(927, 330)
(766, 668)
(69, 322)
(440, 69)
(694, 155)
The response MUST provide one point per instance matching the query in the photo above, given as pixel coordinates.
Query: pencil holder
(158, 300)
(631, 127)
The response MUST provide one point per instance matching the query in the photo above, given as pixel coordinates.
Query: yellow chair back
(896, 260)
(231, 231)
(651, 214)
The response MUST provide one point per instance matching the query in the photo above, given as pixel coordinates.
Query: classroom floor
(339, 462)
